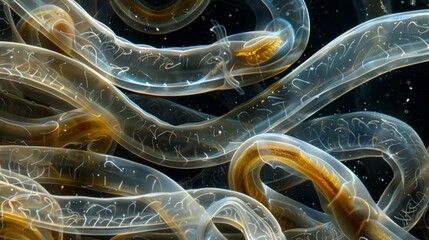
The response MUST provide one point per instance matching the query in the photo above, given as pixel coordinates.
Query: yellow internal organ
(59, 25)
(15, 227)
(356, 216)
(259, 50)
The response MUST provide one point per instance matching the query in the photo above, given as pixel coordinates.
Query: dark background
(400, 93)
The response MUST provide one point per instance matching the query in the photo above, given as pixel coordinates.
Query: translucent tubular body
(15, 227)
(357, 56)
(139, 210)
(145, 199)
(231, 62)
(161, 18)
(357, 136)
(69, 129)
(368, 134)
(50, 193)
(349, 204)
(27, 206)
